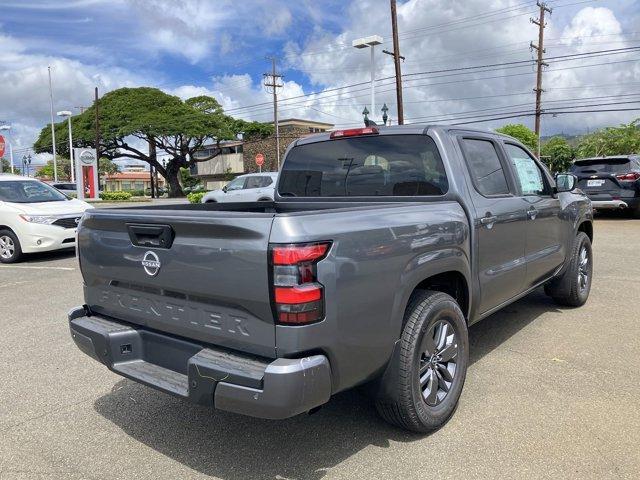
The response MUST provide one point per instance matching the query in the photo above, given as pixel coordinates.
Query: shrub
(137, 193)
(195, 197)
(117, 196)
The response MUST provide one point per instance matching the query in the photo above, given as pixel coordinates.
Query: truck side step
(155, 376)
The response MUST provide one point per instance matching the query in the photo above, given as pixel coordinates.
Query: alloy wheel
(439, 353)
(583, 269)
(7, 247)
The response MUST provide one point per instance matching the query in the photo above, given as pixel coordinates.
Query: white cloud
(24, 95)
(330, 61)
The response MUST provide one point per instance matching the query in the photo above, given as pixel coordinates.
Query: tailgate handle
(156, 236)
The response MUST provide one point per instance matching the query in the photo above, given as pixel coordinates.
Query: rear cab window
(365, 166)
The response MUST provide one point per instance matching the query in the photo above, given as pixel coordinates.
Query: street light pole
(53, 130)
(67, 113)
(371, 42)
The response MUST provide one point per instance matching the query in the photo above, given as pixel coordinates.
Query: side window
(253, 182)
(236, 184)
(527, 171)
(265, 181)
(485, 167)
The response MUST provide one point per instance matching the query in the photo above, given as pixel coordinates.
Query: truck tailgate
(208, 281)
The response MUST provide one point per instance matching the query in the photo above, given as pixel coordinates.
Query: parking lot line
(33, 267)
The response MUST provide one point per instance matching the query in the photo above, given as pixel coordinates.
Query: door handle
(532, 213)
(488, 220)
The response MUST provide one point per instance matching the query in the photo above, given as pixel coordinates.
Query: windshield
(385, 165)
(28, 191)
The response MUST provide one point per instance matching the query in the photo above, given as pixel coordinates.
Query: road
(550, 393)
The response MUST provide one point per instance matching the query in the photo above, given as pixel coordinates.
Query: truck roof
(415, 128)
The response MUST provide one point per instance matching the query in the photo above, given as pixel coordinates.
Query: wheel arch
(453, 283)
(586, 226)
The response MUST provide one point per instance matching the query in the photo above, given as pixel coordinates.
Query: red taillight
(294, 254)
(354, 132)
(298, 297)
(628, 177)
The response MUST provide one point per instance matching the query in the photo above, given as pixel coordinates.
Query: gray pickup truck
(382, 246)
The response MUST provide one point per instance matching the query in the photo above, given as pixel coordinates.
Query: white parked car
(252, 187)
(35, 217)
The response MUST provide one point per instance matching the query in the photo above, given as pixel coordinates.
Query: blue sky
(190, 47)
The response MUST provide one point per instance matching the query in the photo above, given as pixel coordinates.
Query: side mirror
(224, 189)
(566, 182)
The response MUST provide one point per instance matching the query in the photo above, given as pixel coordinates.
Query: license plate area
(595, 183)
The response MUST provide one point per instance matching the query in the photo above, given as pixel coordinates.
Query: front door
(499, 223)
(545, 246)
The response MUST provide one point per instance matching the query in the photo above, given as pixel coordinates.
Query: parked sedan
(610, 182)
(252, 187)
(35, 217)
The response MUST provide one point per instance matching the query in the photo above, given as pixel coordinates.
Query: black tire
(10, 249)
(404, 399)
(572, 288)
(635, 212)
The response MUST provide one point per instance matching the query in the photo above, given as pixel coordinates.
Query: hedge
(195, 197)
(115, 196)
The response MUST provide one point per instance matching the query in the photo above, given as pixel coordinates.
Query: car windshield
(602, 165)
(28, 191)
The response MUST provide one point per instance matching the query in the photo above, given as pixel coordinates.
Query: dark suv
(610, 182)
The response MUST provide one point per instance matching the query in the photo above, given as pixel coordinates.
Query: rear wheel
(573, 286)
(424, 381)
(10, 250)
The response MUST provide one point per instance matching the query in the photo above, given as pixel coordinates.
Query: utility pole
(396, 61)
(271, 80)
(97, 136)
(53, 130)
(540, 62)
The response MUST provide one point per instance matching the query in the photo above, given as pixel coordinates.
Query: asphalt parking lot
(550, 393)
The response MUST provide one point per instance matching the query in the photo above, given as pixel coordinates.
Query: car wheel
(572, 288)
(422, 385)
(10, 250)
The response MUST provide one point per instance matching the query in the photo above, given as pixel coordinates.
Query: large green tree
(621, 140)
(140, 123)
(521, 133)
(558, 154)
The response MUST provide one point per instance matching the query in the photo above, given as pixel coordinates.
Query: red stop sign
(1, 146)
(259, 159)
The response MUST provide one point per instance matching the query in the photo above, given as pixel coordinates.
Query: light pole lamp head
(385, 109)
(64, 113)
(5, 127)
(365, 42)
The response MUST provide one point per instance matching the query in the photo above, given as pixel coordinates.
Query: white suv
(35, 217)
(252, 187)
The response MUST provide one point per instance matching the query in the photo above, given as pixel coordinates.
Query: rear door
(500, 222)
(546, 235)
(198, 274)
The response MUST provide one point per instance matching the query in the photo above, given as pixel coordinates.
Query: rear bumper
(244, 384)
(609, 204)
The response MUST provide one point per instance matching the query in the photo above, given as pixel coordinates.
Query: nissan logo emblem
(151, 263)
